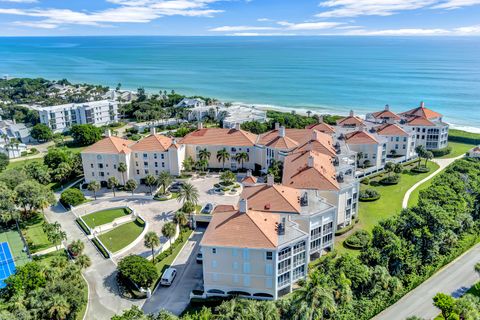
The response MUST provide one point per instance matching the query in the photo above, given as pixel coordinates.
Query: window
(162, 156)
(269, 255)
(284, 266)
(102, 174)
(156, 172)
(114, 166)
(91, 165)
(146, 171)
(163, 164)
(397, 139)
(156, 164)
(138, 171)
(154, 156)
(145, 155)
(136, 164)
(145, 164)
(100, 165)
(136, 155)
(214, 250)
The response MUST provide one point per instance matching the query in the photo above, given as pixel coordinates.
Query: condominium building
(60, 118)
(252, 253)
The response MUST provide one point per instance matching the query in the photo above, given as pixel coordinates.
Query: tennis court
(11, 253)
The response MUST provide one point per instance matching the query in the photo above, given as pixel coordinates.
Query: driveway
(189, 277)
(454, 279)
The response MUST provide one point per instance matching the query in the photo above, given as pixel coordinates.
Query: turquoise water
(333, 74)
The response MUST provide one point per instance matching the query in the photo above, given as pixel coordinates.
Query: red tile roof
(391, 130)
(317, 141)
(298, 174)
(110, 145)
(155, 142)
(274, 198)
(322, 127)
(360, 137)
(421, 112)
(219, 136)
(249, 180)
(350, 121)
(385, 114)
(419, 121)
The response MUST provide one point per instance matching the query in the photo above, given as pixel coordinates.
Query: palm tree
(188, 193)
(389, 167)
(131, 185)
(180, 218)
(122, 168)
(314, 299)
(76, 247)
(428, 156)
(164, 180)
(168, 231)
(420, 150)
(150, 181)
(204, 154)
(151, 241)
(202, 164)
(58, 307)
(83, 261)
(94, 186)
(113, 183)
(227, 177)
(309, 113)
(223, 155)
(188, 164)
(242, 157)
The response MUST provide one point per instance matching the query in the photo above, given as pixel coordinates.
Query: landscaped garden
(105, 216)
(121, 236)
(34, 233)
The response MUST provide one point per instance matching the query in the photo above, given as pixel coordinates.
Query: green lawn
(19, 164)
(390, 203)
(16, 245)
(105, 216)
(458, 149)
(167, 262)
(36, 238)
(122, 236)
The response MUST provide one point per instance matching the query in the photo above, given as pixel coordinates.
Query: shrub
(100, 248)
(358, 240)
(441, 152)
(390, 180)
(369, 195)
(23, 153)
(420, 169)
(72, 197)
(82, 226)
(139, 270)
(365, 181)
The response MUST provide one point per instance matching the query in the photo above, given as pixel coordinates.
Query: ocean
(321, 74)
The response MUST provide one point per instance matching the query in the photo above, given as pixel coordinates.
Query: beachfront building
(228, 116)
(60, 118)
(235, 141)
(151, 155)
(371, 149)
(252, 253)
(11, 130)
(190, 103)
(400, 141)
(428, 126)
(474, 153)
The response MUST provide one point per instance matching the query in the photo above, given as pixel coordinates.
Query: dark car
(199, 257)
(176, 187)
(207, 209)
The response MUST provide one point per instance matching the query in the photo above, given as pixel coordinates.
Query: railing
(284, 256)
(284, 269)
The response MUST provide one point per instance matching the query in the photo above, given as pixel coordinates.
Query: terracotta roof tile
(220, 136)
(110, 145)
(249, 180)
(350, 121)
(360, 137)
(322, 127)
(298, 174)
(421, 112)
(385, 114)
(252, 229)
(317, 141)
(275, 198)
(155, 142)
(391, 130)
(419, 121)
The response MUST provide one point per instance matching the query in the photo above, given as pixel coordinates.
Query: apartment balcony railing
(284, 270)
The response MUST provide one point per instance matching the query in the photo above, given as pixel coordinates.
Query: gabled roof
(301, 173)
(249, 180)
(322, 127)
(385, 114)
(317, 141)
(272, 139)
(390, 129)
(421, 112)
(110, 145)
(154, 142)
(220, 136)
(350, 121)
(419, 121)
(274, 198)
(360, 137)
(253, 229)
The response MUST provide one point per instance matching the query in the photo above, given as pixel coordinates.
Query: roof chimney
(270, 180)
(237, 126)
(351, 113)
(277, 125)
(200, 125)
(153, 130)
(249, 173)
(310, 161)
(281, 131)
(109, 133)
(422, 104)
(387, 107)
(281, 226)
(243, 206)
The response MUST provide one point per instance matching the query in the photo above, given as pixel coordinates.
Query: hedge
(421, 169)
(72, 197)
(358, 240)
(100, 248)
(390, 180)
(83, 226)
(441, 152)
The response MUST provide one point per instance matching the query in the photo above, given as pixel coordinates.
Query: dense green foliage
(441, 152)
(41, 132)
(358, 240)
(39, 291)
(85, 134)
(463, 136)
(369, 195)
(72, 197)
(4, 161)
(64, 164)
(139, 270)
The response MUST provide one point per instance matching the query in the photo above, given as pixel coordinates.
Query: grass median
(121, 236)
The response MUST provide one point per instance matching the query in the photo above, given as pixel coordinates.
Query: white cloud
(264, 20)
(471, 30)
(20, 1)
(128, 11)
(35, 24)
(455, 4)
(309, 25)
(400, 32)
(353, 8)
(240, 28)
(258, 34)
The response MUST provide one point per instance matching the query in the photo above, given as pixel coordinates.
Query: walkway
(454, 279)
(443, 163)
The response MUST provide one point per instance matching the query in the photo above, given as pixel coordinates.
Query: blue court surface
(7, 266)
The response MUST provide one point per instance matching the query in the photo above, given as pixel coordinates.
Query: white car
(168, 276)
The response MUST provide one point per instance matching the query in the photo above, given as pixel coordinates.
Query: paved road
(442, 163)
(454, 279)
(176, 297)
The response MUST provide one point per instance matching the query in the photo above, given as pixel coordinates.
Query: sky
(240, 17)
